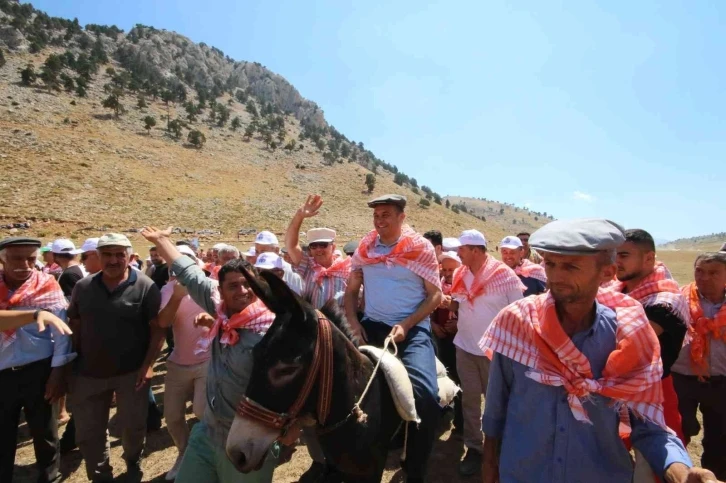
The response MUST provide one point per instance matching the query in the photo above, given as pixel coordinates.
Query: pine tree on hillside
(113, 102)
(196, 138)
(370, 182)
(149, 122)
(236, 123)
(28, 75)
(2, 58)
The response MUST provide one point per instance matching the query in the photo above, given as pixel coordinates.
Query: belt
(25, 366)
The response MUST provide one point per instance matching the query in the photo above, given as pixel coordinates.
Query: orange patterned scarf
(39, 291)
(255, 317)
(340, 269)
(658, 288)
(702, 329)
(412, 251)
(531, 270)
(494, 277)
(529, 332)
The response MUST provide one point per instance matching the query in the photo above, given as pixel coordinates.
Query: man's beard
(629, 276)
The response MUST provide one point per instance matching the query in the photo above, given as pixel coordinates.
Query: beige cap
(113, 240)
(321, 235)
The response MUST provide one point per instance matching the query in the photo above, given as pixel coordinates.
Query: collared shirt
(716, 354)
(230, 366)
(115, 328)
(476, 316)
(292, 279)
(319, 294)
(542, 442)
(32, 346)
(186, 335)
(392, 292)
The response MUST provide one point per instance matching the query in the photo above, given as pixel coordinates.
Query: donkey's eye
(282, 373)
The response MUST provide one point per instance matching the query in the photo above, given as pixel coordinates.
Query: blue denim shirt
(542, 441)
(392, 293)
(32, 346)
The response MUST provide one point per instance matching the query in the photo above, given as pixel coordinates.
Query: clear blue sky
(579, 108)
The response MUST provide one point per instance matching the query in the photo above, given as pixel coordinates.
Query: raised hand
(311, 207)
(153, 234)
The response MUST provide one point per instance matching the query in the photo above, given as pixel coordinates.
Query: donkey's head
(281, 361)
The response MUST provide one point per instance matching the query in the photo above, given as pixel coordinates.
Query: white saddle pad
(400, 385)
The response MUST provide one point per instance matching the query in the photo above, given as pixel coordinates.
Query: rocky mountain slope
(93, 131)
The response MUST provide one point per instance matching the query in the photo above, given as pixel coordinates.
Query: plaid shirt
(332, 287)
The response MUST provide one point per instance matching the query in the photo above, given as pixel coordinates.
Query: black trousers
(710, 397)
(24, 389)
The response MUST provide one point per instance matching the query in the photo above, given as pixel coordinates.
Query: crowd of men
(579, 341)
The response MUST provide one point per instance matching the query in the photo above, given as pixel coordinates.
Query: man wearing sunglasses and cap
(325, 275)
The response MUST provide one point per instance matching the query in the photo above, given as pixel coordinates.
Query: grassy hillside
(72, 169)
(705, 243)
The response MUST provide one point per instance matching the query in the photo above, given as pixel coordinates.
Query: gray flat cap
(723, 247)
(350, 247)
(398, 200)
(15, 241)
(584, 236)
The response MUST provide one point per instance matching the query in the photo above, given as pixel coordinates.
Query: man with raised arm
(237, 324)
(325, 275)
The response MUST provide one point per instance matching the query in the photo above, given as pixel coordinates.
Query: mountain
(704, 243)
(93, 129)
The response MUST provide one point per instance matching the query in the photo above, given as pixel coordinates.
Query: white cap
(268, 261)
(187, 250)
(266, 238)
(219, 246)
(321, 235)
(64, 246)
(250, 253)
(89, 245)
(450, 244)
(472, 237)
(511, 242)
(450, 256)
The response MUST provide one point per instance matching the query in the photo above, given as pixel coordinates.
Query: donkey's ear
(285, 299)
(261, 289)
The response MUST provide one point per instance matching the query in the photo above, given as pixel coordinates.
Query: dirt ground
(161, 453)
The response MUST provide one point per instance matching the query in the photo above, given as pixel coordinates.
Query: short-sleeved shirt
(69, 278)
(392, 292)
(476, 316)
(542, 442)
(186, 336)
(319, 294)
(114, 327)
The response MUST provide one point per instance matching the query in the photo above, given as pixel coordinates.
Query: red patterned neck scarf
(531, 270)
(39, 291)
(255, 317)
(529, 332)
(493, 277)
(702, 330)
(340, 269)
(412, 251)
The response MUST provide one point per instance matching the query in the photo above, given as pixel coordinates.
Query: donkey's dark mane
(334, 313)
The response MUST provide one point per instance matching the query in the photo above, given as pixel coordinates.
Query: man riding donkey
(239, 323)
(648, 281)
(699, 374)
(400, 272)
(575, 370)
(325, 277)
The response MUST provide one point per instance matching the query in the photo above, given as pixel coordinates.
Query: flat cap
(350, 247)
(583, 236)
(398, 200)
(723, 247)
(20, 241)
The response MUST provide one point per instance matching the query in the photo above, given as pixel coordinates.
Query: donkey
(355, 442)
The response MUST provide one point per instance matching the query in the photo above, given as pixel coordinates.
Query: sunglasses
(319, 245)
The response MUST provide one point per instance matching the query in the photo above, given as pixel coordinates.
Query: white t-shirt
(475, 318)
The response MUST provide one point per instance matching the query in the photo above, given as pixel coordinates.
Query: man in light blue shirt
(534, 431)
(31, 362)
(402, 288)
